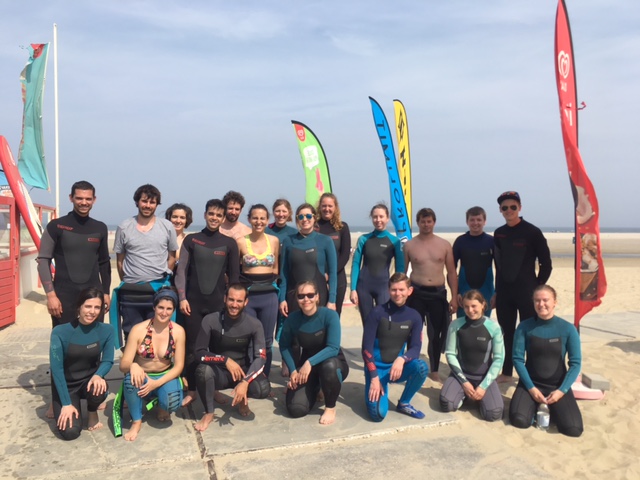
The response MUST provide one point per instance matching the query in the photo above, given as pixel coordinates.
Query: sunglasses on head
(301, 296)
(302, 216)
(504, 208)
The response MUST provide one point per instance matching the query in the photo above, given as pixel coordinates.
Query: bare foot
(328, 417)
(163, 415)
(504, 378)
(219, 398)
(285, 370)
(435, 376)
(94, 422)
(204, 422)
(132, 434)
(188, 398)
(49, 413)
(244, 409)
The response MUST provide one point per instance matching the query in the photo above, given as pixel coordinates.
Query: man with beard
(233, 205)
(145, 247)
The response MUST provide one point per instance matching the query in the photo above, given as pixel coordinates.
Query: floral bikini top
(266, 259)
(145, 350)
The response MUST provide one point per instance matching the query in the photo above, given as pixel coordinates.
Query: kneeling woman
(545, 340)
(152, 362)
(321, 365)
(475, 354)
(81, 354)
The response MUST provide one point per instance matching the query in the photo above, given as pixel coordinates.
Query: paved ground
(267, 445)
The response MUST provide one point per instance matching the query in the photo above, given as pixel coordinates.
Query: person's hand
(554, 397)
(375, 390)
(537, 395)
(98, 384)
(185, 308)
(54, 306)
(331, 306)
(149, 386)
(354, 297)
(293, 380)
(284, 308)
(234, 369)
(453, 305)
(303, 373)
(138, 375)
(396, 369)
(67, 414)
(469, 391)
(479, 395)
(240, 393)
(492, 302)
(107, 303)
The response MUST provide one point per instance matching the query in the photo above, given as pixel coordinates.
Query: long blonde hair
(335, 221)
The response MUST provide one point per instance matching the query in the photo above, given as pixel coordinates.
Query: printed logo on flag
(564, 63)
(300, 132)
(311, 159)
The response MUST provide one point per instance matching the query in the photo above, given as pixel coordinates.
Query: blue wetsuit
(370, 268)
(280, 232)
(475, 353)
(545, 344)
(475, 254)
(307, 258)
(391, 332)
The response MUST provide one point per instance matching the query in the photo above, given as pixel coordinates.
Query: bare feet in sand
(244, 409)
(188, 398)
(163, 415)
(49, 413)
(94, 422)
(132, 434)
(204, 422)
(328, 417)
(435, 376)
(219, 398)
(504, 378)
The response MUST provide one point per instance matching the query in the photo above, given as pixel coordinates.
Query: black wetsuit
(516, 250)
(79, 247)
(205, 258)
(342, 241)
(241, 340)
(77, 353)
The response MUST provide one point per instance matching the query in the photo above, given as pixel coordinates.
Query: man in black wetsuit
(78, 245)
(232, 352)
(518, 245)
(205, 258)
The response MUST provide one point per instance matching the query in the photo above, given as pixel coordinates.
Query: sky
(197, 98)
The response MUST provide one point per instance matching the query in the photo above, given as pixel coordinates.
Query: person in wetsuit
(475, 353)
(391, 345)
(330, 224)
(259, 255)
(77, 244)
(372, 261)
(540, 347)
(152, 362)
(282, 215)
(232, 353)
(205, 258)
(474, 252)
(81, 355)
(320, 365)
(430, 256)
(307, 256)
(518, 245)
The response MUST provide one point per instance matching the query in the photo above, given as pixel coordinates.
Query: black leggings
(431, 303)
(76, 392)
(565, 413)
(511, 300)
(327, 376)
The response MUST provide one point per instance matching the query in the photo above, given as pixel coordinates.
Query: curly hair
(335, 221)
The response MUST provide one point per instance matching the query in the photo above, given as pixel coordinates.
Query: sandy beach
(609, 444)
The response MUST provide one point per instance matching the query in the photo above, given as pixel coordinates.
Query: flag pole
(55, 116)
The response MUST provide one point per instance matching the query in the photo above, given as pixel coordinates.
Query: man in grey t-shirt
(145, 248)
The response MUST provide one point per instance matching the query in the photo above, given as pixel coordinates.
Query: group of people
(199, 313)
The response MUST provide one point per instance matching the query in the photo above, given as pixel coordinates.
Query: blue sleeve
(356, 263)
(519, 350)
(575, 358)
(56, 362)
(456, 251)
(399, 254)
(108, 346)
(415, 340)
(332, 264)
(284, 268)
(286, 342)
(332, 326)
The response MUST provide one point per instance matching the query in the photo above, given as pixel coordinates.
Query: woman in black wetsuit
(81, 355)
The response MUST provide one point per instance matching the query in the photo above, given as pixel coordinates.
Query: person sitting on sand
(81, 354)
(545, 340)
(152, 362)
(232, 354)
(321, 365)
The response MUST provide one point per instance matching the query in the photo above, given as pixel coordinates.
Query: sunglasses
(504, 208)
(302, 216)
(301, 296)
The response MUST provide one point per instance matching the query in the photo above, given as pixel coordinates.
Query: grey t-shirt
(146, 253)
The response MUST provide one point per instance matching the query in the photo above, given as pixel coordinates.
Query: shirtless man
(233, 205)
(429, 255)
